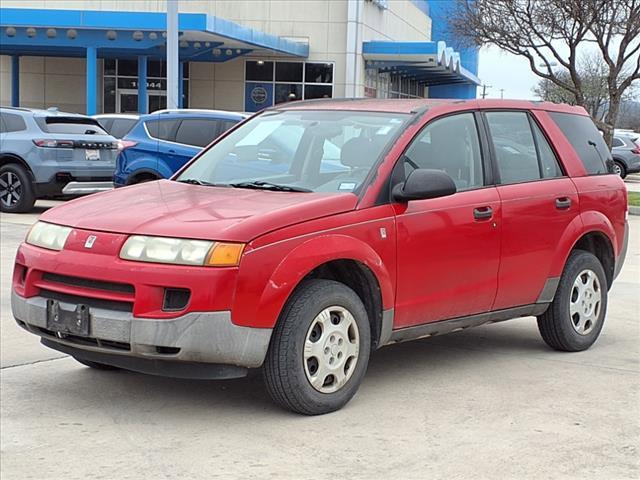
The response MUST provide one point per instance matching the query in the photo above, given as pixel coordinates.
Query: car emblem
(91, 239)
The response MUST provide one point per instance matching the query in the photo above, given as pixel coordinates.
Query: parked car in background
(445, 215)
(626, 153)
(117, 124)
(162, 142)
(47, 152)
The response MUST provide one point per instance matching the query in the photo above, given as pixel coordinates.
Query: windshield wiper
(261, 185)
(195, 181)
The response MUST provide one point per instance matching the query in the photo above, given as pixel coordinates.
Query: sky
(505, 71)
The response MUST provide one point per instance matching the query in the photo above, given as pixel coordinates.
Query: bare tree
(595, 88)
(552, 33)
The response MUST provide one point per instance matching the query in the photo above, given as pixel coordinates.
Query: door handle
(482, 213)
(563, 203)
(172, 150)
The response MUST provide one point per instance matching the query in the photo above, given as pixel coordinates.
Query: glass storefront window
(286, 81)
(288, 72)
(318, 72)
(288, 92)
(128, 68)
(317, 91)
(259, 71)
(109, 105)
(109, 66)
(120, 85)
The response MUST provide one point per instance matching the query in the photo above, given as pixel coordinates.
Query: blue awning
(203, 37)
(430, 63)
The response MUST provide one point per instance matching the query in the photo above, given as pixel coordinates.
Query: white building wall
(60, 82)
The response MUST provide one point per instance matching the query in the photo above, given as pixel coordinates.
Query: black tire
(623, 170)
(285, 371)
(556, 325)
(96, 365)
(16, 189)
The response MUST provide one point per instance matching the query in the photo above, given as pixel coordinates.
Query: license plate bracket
(92, 154)
(74, 322)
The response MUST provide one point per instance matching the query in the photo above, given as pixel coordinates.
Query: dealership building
(107, 56)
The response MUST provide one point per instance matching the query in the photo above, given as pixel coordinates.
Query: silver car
(47, 152)
(626, 153)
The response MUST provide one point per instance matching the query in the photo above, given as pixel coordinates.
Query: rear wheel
(96, 365)
(575, 318)
(618, 169)
(319, 350)
(16, 189)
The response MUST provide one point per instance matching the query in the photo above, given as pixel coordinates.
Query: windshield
(298, 150)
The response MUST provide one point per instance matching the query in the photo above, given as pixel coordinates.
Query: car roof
(50, 112)
(132, 116)
(200, 111)
(414, 105)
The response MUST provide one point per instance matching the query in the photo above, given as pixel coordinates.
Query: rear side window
(522, 152)
(514, 146)
(70, 125)
(122, 126)
(617, 142)
(586, 141)
(548, 161)
(162, 129)
(12, 123)
(199, 132)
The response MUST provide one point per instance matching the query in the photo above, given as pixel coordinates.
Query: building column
(181, 85)
(142, 85)
(15, 81)
(92, 80)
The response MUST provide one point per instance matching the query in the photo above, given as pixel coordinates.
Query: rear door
(163, 134)
(192, 135)
(539, 202)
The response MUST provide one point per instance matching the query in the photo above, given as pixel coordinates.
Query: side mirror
(422, 184)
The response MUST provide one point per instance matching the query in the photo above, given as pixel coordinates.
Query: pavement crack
(33, 363)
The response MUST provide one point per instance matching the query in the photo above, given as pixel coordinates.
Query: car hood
(167, 208)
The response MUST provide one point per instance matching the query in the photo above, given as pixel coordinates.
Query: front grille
(91, 302)
(88, 283)
(86, 341)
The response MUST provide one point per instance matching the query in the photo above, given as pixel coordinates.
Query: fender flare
(302, 260)
(139, 171)
(587, 222)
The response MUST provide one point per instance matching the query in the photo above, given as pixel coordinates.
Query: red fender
(292, 269)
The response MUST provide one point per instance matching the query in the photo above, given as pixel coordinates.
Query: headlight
(179, 251)
(47, 235)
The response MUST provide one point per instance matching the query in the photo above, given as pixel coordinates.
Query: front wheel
(574, 320)
(319, 350)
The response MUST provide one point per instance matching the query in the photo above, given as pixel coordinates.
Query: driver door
(448, 248)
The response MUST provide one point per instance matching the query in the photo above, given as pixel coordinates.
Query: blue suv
(162, 142)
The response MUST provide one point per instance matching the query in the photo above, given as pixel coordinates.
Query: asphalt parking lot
(491, 402)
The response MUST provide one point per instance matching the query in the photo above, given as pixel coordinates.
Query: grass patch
(634, 199)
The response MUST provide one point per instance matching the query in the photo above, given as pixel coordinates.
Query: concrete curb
(634, 210)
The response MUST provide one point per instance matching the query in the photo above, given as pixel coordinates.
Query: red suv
(316, 232)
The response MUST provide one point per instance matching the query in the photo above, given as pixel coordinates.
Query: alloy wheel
(10, 189)
(585, 302)
(331, 349)
(617, 169)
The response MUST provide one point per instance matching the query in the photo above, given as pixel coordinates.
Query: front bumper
(172, 347)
